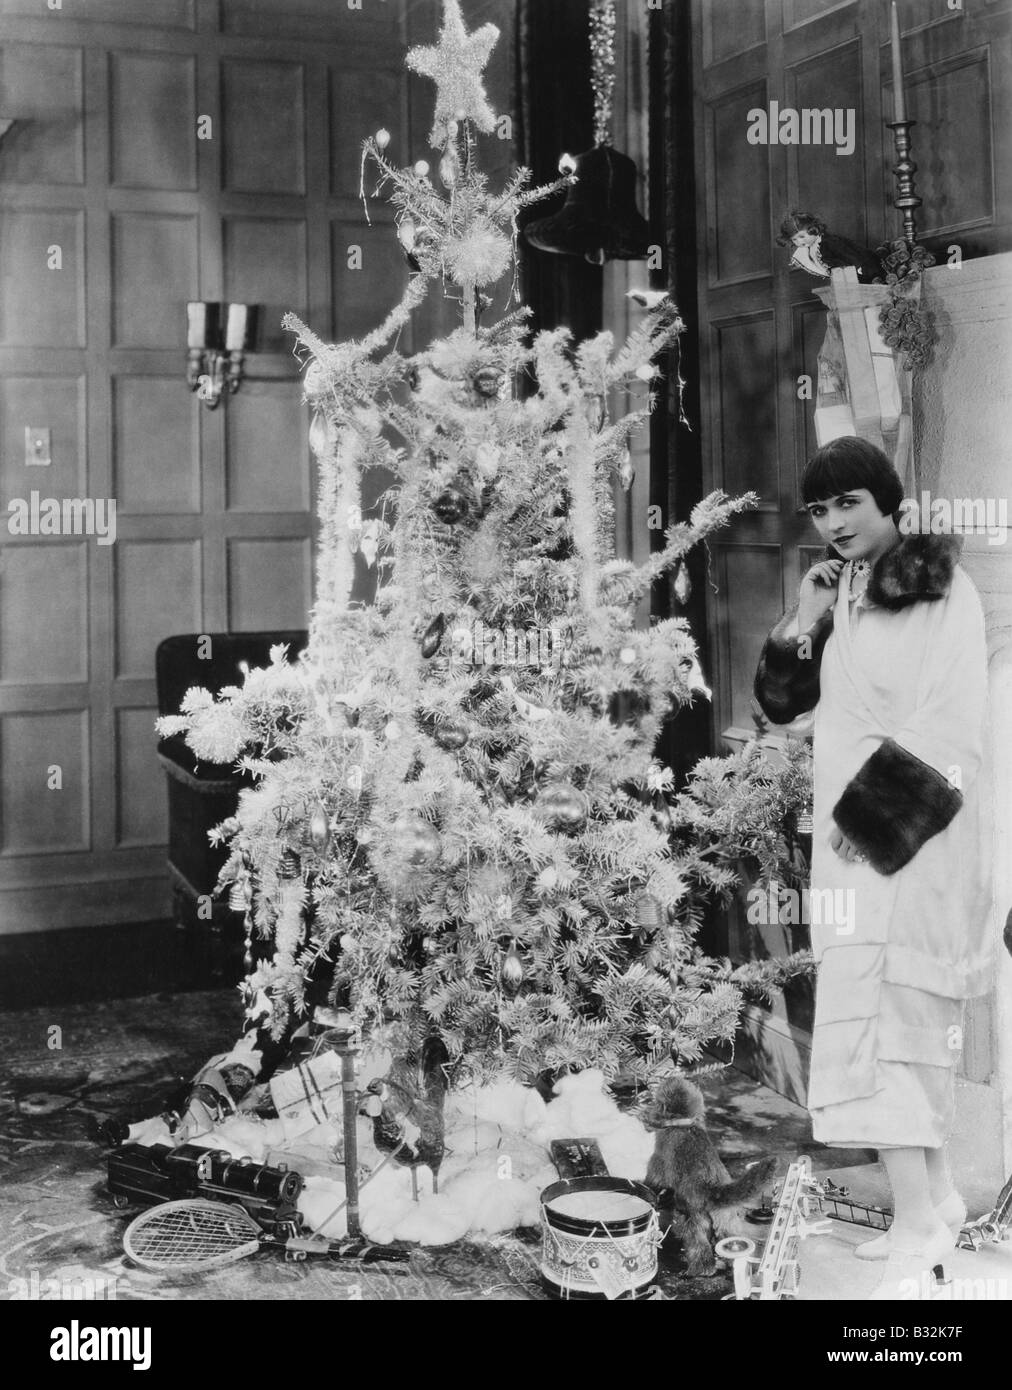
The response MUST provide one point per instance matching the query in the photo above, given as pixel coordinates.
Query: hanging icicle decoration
(602, 66)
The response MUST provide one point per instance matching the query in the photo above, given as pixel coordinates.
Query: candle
(196, 319)
(899, 101)
(235, 333)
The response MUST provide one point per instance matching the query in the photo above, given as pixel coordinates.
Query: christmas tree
(456, 802)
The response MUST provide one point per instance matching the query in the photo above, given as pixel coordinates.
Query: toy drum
(599, 1238)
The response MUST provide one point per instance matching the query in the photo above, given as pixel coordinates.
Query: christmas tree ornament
(526, 708)
(406, 233)
(315, 383)
(449, 169)
(626, 471)
(237, 897)
(364, 835)
(433, 636)
(450, 506)
(682, 585)
(455, 64)
(346, 941)
(391, 730)
(563, 806)
(419, 839)
(247, 945)
(627, 655)
(422, 168)
(649, 913)
(288, 865)
(321, 438)
(805, 824)
(647, 372)
(512, 967)
(487, 382)
(451, 734)
(382, 138)
(319, 830)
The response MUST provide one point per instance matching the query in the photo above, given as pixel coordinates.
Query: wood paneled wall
(214, 509)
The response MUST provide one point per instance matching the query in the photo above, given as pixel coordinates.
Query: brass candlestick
(904, 169)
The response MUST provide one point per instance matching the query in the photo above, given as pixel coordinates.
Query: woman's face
(804, 238)
(853, 524)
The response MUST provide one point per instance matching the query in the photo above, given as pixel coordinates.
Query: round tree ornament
(419, 839)
(563, 806)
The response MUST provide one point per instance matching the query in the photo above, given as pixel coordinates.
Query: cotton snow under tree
(466, 820)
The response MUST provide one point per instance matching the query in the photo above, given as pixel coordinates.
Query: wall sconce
(217, 337)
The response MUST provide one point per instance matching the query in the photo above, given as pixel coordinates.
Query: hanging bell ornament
(433, 636)
(649, 912)
(683, 584)
(626, 471)
(512, 967)
(319, 830)
(419, 839)
(599, 219)
(563, 807)
(288, 865)
(450, 506)
(451, 734)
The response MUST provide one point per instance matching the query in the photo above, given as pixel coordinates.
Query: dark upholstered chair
(202, 795)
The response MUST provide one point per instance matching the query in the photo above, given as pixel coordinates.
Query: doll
(818, 251)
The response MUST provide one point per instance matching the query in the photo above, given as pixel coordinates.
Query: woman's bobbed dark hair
(848, 463)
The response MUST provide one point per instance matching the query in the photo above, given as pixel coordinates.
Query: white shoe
(952, 1211)
(915, 1274)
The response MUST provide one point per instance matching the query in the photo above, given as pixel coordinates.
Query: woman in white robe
(887, 646)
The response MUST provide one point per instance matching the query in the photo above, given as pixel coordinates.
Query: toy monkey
(819, 251)
(696, 1191)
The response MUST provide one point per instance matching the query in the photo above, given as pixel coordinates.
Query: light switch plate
(38, 446)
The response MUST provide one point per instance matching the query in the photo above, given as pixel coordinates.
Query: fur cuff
(893, 806)
(787, 684)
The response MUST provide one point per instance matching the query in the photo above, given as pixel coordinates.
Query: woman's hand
(842, 847)
(818, 592)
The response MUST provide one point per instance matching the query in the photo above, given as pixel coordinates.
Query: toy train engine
(157, 1173)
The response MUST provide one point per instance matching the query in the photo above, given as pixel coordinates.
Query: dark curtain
(676, 471)
(555, 115)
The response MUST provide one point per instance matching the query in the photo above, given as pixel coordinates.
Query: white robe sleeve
(911, 786)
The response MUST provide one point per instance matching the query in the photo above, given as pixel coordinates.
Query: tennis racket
(192, 1235)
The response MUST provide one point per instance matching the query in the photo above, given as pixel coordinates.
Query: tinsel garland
(602, 65)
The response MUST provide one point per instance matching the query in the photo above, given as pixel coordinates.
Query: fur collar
(919, 567)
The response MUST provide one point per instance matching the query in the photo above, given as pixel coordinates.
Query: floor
(67, 1065)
